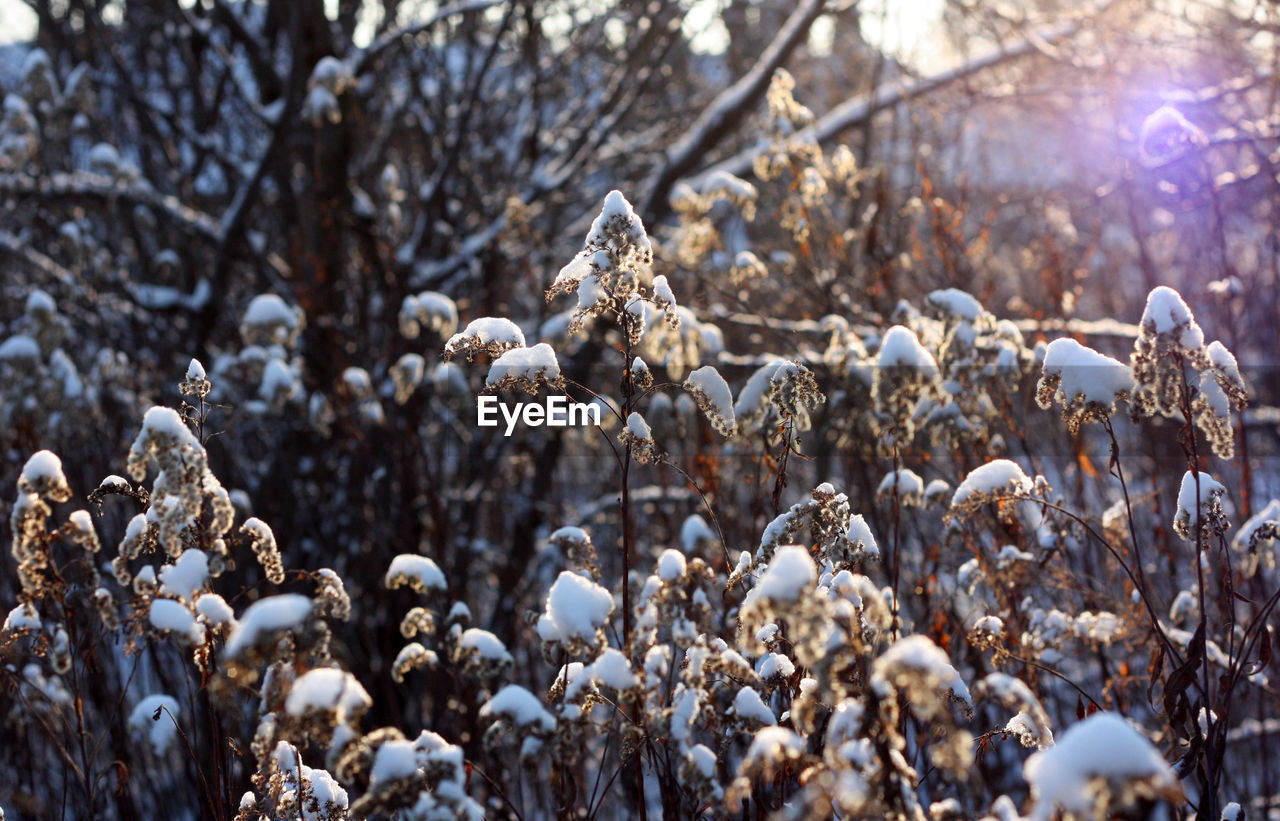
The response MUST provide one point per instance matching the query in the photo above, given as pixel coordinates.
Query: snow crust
(639, 428)
(920, 653)
(325, 790)
(570, 534)
(393, 761)
(174, 617)
(214, 609)
(1270, 513)
(748, 705)
(22, 617)
(520, 707)
(694, 530)
(19, 347)
(485, 644)
(773, 665)
(1189, 510)
(612, 669)
(411, 566)
(771, 744)
(671, 565)
(44, 465)
(185, 576)
(957, 303)
(162, 421)
(487, 330)
(1166, 135)
(269, 309)
(702, 759)
(714, 396)
(907, 481)
(859, 534)
(1167, 313)
(39, 303)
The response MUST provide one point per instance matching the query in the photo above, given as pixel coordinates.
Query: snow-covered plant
(492, 336)
(637, 438)
(998, 482)
(905, 373)
(778, 396)
(711, 392)
(815, 510)
(1087, 384)
(1100, 766)
(526, 369)
(1177, 373)
(612, 271)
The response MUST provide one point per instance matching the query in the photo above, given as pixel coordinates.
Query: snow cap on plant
(269, 321)
(525, 369)
(780, 389)
(406, 374)
(714, 399)
(489, 335)
(1087, 384)
(429, 310)
(1199, 510)
(1171, 363)
(638, 438)
(1099, 767)
(1166, 136)
(904, 372)
(997, 481)
(612, 269)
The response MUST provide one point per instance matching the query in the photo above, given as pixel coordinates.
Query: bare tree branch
(85, 184)
(856, 112)
(370, 53)
(726, 110)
